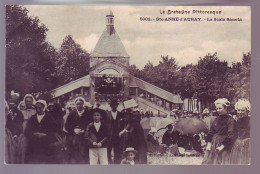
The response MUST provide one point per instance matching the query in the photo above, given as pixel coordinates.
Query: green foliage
(33, 64)
(208, 80)
(164, 75)
(134, 71)
(167, 74)
(73, 61)
(238, 84)
(28, 60)
(211, 76)
(187, 79)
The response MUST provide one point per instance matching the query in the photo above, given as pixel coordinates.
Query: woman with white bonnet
(241, 150)
(75, 125)
(221, 136)
(29, 109)
(40, 132)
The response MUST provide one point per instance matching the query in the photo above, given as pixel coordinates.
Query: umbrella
(174, 119)
(191, 126)
(154, 120)
(145, 123)
(163, 123)
(209, 120)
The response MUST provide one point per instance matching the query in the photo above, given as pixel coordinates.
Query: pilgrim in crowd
(241, 150)
(170, 137)
(129, 154)
(96, 135)
(14, 116)
(152, 140)
(136, 139)
(221, 136)
(40, 133)
(29, 110)
(112, 121)
(75, 125)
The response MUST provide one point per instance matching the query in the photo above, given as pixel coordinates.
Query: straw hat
(130, 149)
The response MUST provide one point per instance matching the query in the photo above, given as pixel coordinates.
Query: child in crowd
(96, 135)
(129, 156)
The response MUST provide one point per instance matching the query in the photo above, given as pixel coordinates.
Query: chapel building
(109, 78)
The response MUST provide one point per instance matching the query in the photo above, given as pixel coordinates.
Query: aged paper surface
(171, 85)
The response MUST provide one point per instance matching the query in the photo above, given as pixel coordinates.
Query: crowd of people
(86, 134)
(226, 142)
(80, 135)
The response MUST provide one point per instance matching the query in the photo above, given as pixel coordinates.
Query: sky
(186, 41)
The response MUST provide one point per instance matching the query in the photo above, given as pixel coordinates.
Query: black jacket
(47, 126)
(14, 122)
(113, 126)
(75, 121)
(243, 127)
(223, 125)
(91, 135)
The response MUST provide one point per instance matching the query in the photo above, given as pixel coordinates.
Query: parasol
(161, 124)
(209, 120)
(145, 123)
(191, 126)
(154, 120)
(174, 119)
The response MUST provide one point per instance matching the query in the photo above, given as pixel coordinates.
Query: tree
(73, 61)
(211, 75)
(28, 63)
(187, 78)
(238, 84)
(149, 73)
(164, 75)
(135, 71)
(167, 76)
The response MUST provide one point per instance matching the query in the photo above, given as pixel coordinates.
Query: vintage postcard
(153, 85)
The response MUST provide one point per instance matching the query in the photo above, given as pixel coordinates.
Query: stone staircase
(146, 104)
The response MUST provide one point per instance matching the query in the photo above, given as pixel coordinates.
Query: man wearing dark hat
(113, 124)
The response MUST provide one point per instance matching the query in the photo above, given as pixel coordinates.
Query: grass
(174, 160)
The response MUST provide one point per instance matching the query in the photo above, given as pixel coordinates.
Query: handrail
(161, 108)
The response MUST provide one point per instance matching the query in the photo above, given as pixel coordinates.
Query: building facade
(109, 78)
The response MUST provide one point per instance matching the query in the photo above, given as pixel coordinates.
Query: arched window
(109, 71)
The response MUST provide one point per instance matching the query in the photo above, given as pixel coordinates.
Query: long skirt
(241, 151)
(14, 148)
(214, 156)
(78, 151)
